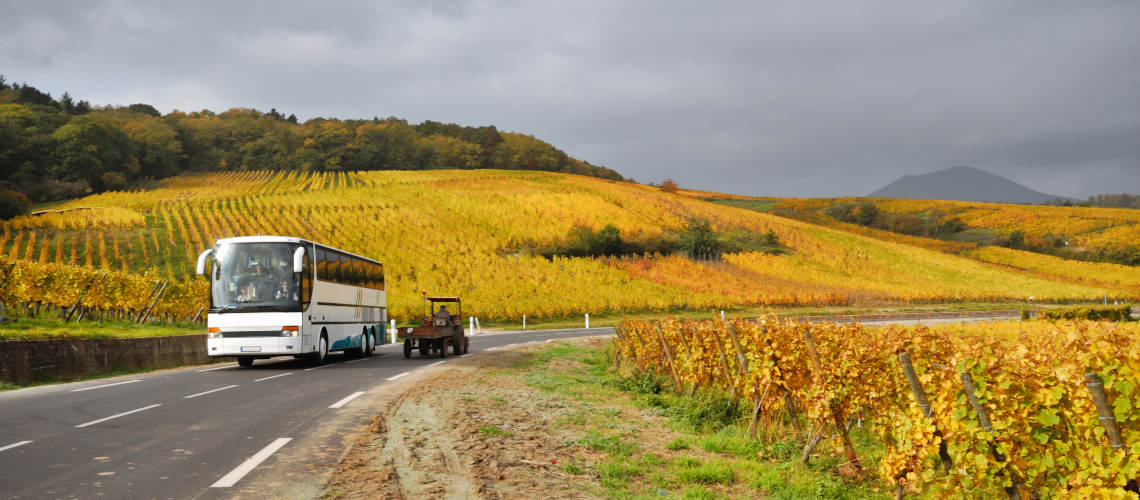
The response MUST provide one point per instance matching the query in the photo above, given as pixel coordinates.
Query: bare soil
(474, 434)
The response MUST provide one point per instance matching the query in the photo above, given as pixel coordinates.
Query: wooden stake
(669, 359)
(924, 404)
(756, 411)
(728, 378)
(739, 350)
(915, 386)
(1104, 410)
(984, 421)
(836, 415)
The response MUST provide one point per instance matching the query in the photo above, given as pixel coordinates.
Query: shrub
(669, 186)
(13, 203)
(699, 238)
(1095, 313)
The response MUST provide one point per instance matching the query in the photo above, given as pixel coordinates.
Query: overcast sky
(770, 98)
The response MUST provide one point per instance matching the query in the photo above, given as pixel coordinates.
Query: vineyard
(473, 233)
(1024, 409)
(1088, 227)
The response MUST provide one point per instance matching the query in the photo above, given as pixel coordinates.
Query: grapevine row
(969, 409)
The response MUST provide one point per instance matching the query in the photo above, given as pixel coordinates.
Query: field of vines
(471, 233)
(1093, 227)
(1017, 409)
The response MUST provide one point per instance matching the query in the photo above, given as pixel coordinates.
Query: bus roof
(287, 239)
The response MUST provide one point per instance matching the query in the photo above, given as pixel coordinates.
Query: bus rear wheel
(369, 344)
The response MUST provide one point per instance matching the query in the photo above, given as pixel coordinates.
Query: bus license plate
(251, 349)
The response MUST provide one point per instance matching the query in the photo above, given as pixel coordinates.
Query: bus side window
(380, 279)
(345, 270)
(306, 280)
(322, 265)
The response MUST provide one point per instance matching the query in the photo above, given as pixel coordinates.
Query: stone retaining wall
(24, 361)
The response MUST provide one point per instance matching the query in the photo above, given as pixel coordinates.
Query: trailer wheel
(407, 348)
(425, 349)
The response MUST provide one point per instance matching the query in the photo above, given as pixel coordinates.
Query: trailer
(438, 329)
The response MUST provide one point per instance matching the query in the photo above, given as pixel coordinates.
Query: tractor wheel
(407, 348)
(457, 343)
(466, 344)
(442, 347)
(425, 349)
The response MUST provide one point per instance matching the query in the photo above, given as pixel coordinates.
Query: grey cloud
(780, 98)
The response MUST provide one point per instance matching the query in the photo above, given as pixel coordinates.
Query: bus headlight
(290, 331)
(214, 333)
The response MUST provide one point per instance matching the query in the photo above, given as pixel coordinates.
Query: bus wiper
(227, 307)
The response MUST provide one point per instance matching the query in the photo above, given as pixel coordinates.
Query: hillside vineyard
(469, 233)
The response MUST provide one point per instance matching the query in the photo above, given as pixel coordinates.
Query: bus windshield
(251, 277)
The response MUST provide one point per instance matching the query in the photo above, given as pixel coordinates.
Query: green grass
(715, 472)
(45, 327)
(757, 205)
(490, 430)
(705, 451)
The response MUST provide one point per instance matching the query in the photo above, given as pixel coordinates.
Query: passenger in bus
(258, 283)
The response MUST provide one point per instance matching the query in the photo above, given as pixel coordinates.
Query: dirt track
(480, 435)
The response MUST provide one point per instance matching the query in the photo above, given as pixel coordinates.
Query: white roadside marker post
(477, 327)
(392, 331)
(587, 321)
(524, 322)
(471, 327)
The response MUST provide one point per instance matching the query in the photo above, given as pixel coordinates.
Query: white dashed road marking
(235, 475)
(117, 415)
(13, 445)
(345, 401)
(394, 377)
(272, 376)
(106, 385)
(216, 368)
(209, 391)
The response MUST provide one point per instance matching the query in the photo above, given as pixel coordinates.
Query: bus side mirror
(202, 260)
(299, 260)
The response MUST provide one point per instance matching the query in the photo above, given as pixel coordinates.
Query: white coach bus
(280, 296)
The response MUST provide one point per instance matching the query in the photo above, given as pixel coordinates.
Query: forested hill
(56, 148)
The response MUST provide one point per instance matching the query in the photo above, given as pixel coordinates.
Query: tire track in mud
(428, 466)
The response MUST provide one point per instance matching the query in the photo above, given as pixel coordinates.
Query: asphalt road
(198, 432)
(215, 431)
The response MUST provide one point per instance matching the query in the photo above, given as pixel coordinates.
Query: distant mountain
(964, 184)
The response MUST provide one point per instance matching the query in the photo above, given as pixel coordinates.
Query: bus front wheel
(245, 361)
(322, 350)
